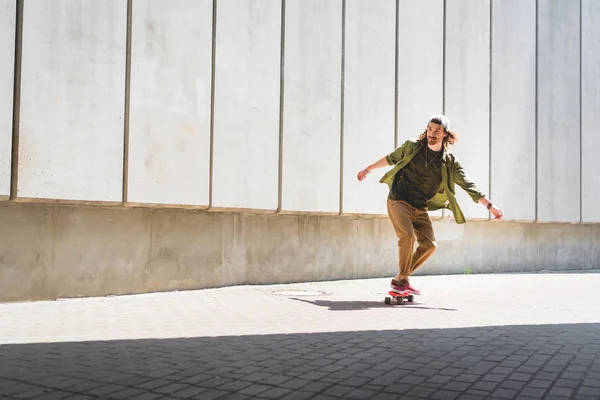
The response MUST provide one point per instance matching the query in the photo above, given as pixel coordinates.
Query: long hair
(450, 139)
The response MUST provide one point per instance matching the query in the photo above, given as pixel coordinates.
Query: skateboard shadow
(365, 305)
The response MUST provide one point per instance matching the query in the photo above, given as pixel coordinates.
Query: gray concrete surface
(51, 251)
(72, 100)
(513, 105)
(312, 100)
(590, 107)
(467, 92)
(170, 102)
(559, 111)
(467, 337)
(247, 86)
(369, 90)
(7, 67)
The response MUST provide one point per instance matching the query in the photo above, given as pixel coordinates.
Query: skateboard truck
(399, 298)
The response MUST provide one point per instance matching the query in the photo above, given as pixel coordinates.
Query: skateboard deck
(400, 298)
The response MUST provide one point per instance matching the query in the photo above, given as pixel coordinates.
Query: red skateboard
(399, 297)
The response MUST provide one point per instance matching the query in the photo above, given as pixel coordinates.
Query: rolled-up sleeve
(463, 180)
(396, 155)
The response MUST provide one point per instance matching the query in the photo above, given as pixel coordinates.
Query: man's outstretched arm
(466, 183)
(381, 163)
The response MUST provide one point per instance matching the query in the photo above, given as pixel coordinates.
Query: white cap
(441, 120)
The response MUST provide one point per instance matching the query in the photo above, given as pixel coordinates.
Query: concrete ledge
(52, 251)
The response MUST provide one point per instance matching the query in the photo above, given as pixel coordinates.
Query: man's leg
(401, 215)
(425, 239)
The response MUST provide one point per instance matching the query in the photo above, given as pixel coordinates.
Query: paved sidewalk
(467, 337)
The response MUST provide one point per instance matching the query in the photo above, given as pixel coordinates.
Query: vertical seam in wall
(396, 74)
(281, 99)
(212, 106)
(342, 87)
(14, 162)
(444, 58)
(490, 110)
(537, 50)
(443, 69)
(127, 105)
(580, 111)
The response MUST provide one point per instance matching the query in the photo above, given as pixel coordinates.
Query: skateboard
(399, 297)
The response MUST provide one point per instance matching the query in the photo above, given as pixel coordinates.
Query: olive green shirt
(452, 173)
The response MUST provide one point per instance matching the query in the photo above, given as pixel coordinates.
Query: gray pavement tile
(338, 391)
(421, 391)
(560, 392)
(504, 393)
(317, 386)
(534, 392)
(591, 382)
(298, 395)
(467, 377)
(384, 396)
(216, 394)
(398, 388)
(589, 391)
(457, 386)
(360, 394)
(171, 388)
(512, 385)
(445, 395)
(294, 383)
(275, 393)
(254, 389)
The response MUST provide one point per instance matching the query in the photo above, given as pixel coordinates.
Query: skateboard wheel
(411, 298)
(388, 300)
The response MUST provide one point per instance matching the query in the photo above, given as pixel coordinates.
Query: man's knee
(428, 246)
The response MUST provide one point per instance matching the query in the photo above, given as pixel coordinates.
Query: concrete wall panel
(7, 49)
(368, 101)
(590, 96)
(169, 135)
(513, 108)
(420, 66)
(72, 99)
(558, 111)
(312, 105)
(467, 91)
(246, 124)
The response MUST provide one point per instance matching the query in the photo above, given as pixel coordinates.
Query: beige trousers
(411, 223)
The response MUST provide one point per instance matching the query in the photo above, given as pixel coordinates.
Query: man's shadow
(342, 305)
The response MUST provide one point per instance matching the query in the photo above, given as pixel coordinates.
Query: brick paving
(322, 340)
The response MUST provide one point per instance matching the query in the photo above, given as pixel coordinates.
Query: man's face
(435, 133)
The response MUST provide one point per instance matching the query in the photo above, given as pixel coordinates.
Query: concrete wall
(467, 77)
(513, 108)
(369, 96)
(273, 106)
(247, 92)
(7, 49)
(169, 125)
(590, 110)
(559, 111)
(53, 251)
(72, 100)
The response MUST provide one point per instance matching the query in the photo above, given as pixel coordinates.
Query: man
(423, 179)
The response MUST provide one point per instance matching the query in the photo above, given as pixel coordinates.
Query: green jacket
(452, 172)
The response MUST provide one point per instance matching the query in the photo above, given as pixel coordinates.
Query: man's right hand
(362, 175)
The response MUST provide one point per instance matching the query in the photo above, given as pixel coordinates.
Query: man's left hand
(496, 212)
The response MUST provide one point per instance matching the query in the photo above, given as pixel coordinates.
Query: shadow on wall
(530, 360)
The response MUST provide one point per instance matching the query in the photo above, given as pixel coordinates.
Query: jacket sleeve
(397, 154)
(465, 182)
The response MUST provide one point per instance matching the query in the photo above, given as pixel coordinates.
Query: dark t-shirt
(417, 182)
